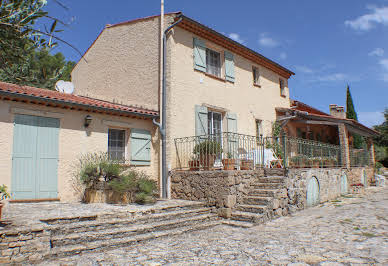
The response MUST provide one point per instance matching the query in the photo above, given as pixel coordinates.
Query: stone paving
(352, 230)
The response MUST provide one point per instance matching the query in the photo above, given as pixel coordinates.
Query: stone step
(102, 224)
(127, 231)
(274, 172)
(247, 217)
(257, 200)
(264, 192)
(252, 208)
(236, 223)
(268, 185)
(71, 250)
(271, 179)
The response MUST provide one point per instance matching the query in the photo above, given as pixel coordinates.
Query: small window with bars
(282, 89)
(256, 76)
(213, 62)
(116, 144)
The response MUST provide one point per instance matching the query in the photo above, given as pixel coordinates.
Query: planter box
(229, 164)
(247, 165)
(102, 193)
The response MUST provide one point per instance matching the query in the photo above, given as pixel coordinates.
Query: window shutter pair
(200, 59)
(140, 147)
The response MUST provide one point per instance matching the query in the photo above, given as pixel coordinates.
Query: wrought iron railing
(310, 153)
(358, 157)
(231, 151)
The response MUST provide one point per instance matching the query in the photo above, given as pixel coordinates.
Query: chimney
(341, 112)
(333, 110)
(337, 111)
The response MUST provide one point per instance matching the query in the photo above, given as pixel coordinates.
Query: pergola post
(344, 143)
(371, 150)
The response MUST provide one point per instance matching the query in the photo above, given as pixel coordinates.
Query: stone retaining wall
(215, 188)
(18, 246)
(329, 180)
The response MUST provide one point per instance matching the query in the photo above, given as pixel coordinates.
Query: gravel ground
(352, 230)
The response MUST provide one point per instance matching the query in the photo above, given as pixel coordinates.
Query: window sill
(257, 85)
(215, 77)
(284, 96)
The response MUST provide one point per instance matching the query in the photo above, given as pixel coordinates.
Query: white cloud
(304, 69)
(378, 15)
(384, 64)
(333, 77)
(283, 56)
(236, 37)
(371, 118)
(377, 52)
(267, 41)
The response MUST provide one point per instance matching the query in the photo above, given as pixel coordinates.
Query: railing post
(261, 143)
(284, 139)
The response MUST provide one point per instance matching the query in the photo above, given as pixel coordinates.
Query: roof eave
(77, 105)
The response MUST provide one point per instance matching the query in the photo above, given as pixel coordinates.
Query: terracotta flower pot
(229, 164)
(194, 165)
(207, 161)
(247, 165)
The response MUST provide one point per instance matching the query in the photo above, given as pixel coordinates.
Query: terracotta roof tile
(14, 91)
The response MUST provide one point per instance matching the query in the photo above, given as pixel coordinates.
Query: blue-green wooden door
(312, 192)
(344, 184)
(35, 157)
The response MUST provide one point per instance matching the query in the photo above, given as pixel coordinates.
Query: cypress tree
(351, 114)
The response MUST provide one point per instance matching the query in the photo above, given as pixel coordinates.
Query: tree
(39, 69)
(381, 141)
(358, 142)
(20, 39)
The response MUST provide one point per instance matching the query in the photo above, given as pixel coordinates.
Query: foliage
(208, 147)
(39, 69)
(22, 44)
(276, 129)
(96, 166)
(358, 141)
(381, 141)
(378, 166)
(4, 192)
(136, 183)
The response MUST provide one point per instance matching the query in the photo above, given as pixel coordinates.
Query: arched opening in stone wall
(312, 194)
(344, 184)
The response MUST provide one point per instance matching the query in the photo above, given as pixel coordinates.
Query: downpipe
(162, 125)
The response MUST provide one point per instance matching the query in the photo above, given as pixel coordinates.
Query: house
(44, 133)
(219, 92)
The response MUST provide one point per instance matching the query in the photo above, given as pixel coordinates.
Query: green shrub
(125, 183)
(94, 166)
(207, 147)
(4, 192)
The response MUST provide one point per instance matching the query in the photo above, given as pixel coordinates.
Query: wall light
(88, 121)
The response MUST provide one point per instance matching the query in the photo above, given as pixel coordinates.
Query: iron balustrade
(358, 157)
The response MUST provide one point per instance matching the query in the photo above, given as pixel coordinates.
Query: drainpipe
(162, 125)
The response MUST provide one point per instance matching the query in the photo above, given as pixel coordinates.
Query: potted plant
(4, 195)
(316, 162)
(207, 151)
(229, 162)
(194, 164)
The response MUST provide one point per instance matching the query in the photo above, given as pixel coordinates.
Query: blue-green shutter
(140, 145)
(232, 138)
(201, 126)
(229, 66)
(312, 193)
(344, 184)
(199, 54)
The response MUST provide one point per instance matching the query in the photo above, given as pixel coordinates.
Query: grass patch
(346, 221)
(348, 196)
(336, 200)
(367, 234)
(356, 228)
(337, 205)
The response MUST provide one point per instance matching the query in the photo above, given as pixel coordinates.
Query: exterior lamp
(88, 121)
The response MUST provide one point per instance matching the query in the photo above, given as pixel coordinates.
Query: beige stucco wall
(122, 65)
(188, 87)
(74, 140)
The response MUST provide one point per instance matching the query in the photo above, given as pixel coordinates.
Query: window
(116, 144)
(213, 62)
(256, 76)
(214, 123)
(258, 128)
(281, 85)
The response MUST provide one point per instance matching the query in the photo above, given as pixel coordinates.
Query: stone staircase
(73, 236)
(266, 200)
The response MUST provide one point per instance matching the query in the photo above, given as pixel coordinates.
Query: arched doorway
(312, 192)
(364, 178)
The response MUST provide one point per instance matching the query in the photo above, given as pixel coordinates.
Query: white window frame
(208, 51)
(126, 135)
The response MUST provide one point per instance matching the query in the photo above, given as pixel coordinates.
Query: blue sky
(328, 44)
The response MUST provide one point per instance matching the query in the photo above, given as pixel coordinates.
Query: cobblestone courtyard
(349, 231)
